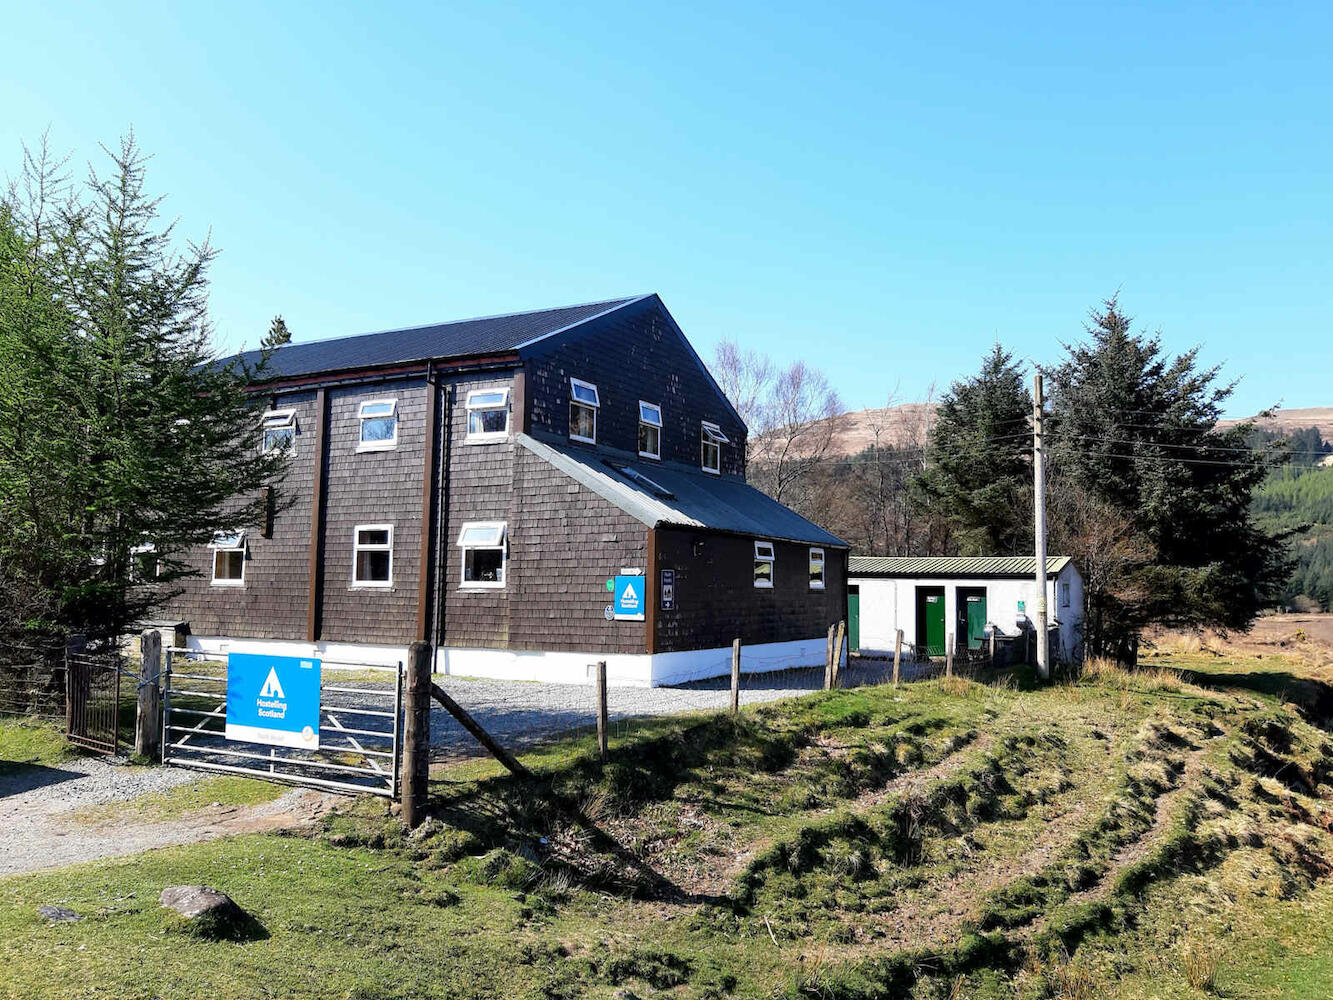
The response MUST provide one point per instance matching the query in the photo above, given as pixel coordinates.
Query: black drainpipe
(442, 509)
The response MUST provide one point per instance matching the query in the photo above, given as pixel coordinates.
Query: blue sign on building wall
(629, 603)
(273, 700)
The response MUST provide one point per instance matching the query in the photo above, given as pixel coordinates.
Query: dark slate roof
(951, 566)
(688, 497)
(456, 339)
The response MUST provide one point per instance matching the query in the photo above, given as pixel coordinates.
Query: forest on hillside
(1296, 501)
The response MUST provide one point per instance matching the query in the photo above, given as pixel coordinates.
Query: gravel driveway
(38, 806)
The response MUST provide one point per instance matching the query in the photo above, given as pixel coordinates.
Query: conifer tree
(118, 431)
(978, 474)
(277, 335)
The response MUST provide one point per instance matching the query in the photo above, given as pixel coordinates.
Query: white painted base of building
(553, 667)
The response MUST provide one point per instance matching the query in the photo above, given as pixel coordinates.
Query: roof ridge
(610, 303)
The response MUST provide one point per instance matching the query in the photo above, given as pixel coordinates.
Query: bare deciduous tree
(793, 414)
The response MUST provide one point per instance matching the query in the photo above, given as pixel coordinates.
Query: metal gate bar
(365, 758)
(92, 701)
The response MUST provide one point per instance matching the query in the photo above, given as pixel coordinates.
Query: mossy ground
(1123, 834)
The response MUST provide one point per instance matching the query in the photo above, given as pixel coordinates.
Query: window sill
(763, 586)
(226, 583)
(711, 472)
(376, 446)
(582, 440)
(646, 454)
(486, 438)
(481, 586)
(372, 586)
(816, 586)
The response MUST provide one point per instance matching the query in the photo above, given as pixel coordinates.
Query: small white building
(934, 597)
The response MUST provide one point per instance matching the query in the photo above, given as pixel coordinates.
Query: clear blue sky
(881, 190)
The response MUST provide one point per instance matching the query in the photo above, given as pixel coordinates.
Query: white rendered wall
(889, 603)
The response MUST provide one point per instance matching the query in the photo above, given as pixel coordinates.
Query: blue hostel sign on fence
(273, 700)
(629, 603)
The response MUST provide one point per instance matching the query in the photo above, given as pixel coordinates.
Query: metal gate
(360, 723)
(92, 701)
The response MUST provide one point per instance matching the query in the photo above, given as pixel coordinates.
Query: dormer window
(488, 414)
(279, 427)
(379, 425)
(711, 440)
(650, 430)
(583, 406)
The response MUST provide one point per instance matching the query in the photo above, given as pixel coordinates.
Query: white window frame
(228, 541)
(358, 548)
(500, 532)
(1065, 596)
(651, 409)
(275, 420)
(764, 553)
(817, 584)
(388, 444)
(473, 406)
(574, 385)
(711, 436)
(143, 548)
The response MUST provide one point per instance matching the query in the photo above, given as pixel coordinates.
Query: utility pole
(1039, 508)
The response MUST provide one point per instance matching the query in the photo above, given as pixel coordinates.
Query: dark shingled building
(530, 493)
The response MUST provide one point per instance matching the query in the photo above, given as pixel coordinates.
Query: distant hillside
(1287, 421)
(898, 425)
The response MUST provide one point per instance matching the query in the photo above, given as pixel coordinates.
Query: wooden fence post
(148, 713)
(416, 734)
(735, 676)
(601, 711)
(828, 659)
(837, 653)
(948, 654)
(897, 656)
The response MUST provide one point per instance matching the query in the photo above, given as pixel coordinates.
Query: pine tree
(1134, 432)
(277, 335)
(117, 429)
(978, 476)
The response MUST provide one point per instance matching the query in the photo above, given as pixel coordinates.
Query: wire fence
(523, 715)
(32, 682)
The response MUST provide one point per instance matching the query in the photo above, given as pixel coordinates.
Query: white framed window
(1064, 595)
(488, 415)
(379, 425)
(650, 430)
(372, 555)
(144, 564)
(483, 545)
(711, 440)
(816, 569)
(279, 431)
(584, 402)
(228, 559)
(763, 564)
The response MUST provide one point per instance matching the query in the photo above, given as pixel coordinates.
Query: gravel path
(37, 806)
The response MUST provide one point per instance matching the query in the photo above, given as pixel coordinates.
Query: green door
(976, 620)
(853, 618)
(930, 620)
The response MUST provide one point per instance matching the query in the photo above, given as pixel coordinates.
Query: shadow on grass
(1313, 697)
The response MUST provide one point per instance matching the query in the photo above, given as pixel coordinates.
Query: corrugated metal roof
(456, 339)
(931, 566)
(687, 496)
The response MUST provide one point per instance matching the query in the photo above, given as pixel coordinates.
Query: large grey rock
(58, 914)
(194, 901)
